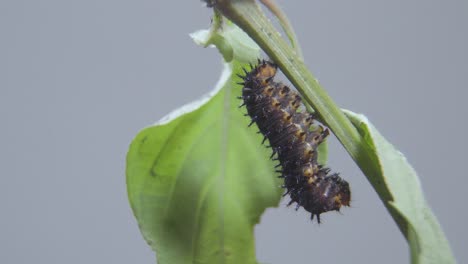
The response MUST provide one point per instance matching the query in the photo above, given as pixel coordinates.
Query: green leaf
(199, 179)
(405, 200)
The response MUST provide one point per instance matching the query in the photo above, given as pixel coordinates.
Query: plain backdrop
(78, 79)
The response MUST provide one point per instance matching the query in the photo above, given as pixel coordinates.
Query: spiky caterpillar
(280, 116)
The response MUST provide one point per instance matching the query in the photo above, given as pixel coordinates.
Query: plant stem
(285, 24)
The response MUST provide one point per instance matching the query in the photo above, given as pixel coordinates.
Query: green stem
(285, 24)
(248, 16)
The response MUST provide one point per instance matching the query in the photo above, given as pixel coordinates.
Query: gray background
(78, 79)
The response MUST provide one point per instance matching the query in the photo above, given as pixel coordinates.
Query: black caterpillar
(280, 115)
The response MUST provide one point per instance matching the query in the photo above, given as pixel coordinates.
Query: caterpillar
(283, 120)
